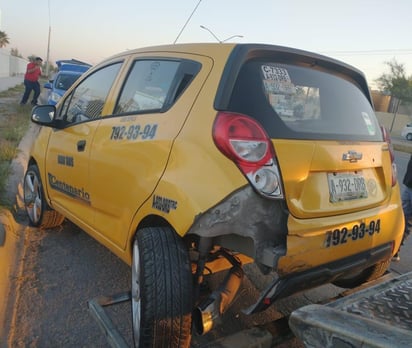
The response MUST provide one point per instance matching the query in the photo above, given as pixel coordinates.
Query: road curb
(12, 235)
(9, 251)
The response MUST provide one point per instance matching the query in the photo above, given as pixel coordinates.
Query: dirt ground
(14, 223)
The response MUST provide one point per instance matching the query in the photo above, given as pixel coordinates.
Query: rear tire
(367, 275)
(39, 212)
(161, 289)
(409, 136)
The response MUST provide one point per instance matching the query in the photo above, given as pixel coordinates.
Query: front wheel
(39, 212)
(367, 275)
(161, 289)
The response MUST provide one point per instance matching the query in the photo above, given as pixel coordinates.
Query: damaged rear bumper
(285, 286)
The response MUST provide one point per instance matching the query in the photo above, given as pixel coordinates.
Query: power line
(187, 21)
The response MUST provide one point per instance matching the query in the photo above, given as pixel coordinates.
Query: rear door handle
(81, 145)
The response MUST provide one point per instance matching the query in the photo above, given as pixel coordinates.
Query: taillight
(245, 142)
(387, 139)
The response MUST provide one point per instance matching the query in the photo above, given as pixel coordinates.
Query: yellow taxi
(190, 159)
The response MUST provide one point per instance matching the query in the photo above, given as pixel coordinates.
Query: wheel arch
(166, 206)
(33, 161)
(40, 213)
(151, 220)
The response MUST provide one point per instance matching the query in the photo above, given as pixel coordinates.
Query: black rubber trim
(283, 287)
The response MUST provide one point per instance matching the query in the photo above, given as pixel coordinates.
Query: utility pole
(48, 55)
(48, 46)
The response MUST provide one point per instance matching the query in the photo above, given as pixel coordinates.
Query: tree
(4, 40)
(397, 84)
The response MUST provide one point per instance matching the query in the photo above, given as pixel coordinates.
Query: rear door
(329, 145)
(131, 147)
(340, 162)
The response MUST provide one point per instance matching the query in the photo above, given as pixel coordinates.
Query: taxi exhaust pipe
(210, 310)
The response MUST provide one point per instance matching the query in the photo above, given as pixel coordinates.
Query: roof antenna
(184, 26)
(220, 41)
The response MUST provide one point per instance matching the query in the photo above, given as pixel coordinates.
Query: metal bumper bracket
(96, 308)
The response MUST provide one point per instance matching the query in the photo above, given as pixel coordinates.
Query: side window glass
(148, 86)
(87, 100)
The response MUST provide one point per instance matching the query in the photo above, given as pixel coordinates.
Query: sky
(362, 33)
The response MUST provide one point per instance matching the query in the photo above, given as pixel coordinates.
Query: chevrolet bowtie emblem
(352, 156)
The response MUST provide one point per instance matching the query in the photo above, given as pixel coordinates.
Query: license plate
(346, 186)
(344, 235)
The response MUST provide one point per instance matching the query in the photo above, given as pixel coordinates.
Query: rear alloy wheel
(367, 275)
(161, 289)
(39, 212)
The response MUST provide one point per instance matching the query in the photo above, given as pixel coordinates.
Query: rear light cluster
(387, 138)
(244, 141)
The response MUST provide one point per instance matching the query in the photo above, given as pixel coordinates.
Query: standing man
(31, 81)
(406, 205)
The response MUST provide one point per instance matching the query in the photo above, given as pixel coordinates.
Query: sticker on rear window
(275, 73)
(369, 124)
(277, 80)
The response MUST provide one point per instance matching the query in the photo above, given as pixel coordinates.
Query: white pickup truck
(378, 316)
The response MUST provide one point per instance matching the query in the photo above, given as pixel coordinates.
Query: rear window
(64, 81)
(299, 102)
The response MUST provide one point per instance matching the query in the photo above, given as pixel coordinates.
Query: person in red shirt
(31, 81)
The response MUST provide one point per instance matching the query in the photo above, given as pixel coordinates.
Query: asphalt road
(62, 269)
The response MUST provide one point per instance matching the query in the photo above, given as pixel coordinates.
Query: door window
(154, 85)
(147, 86)
(87, 100)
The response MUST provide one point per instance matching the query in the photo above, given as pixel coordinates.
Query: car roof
(208, 49)
(240, 53)
(245, 51)
(72, 65)
(219, 49)
(233, 55)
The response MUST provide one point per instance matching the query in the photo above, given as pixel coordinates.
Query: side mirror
(44, 115)
(48, 85)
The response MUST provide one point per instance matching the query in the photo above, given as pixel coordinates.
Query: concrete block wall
(401, 120)
(4, 63)
(11, 65)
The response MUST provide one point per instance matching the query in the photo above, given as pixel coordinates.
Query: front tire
(367, 275)
(161, 289)
(39, 212)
